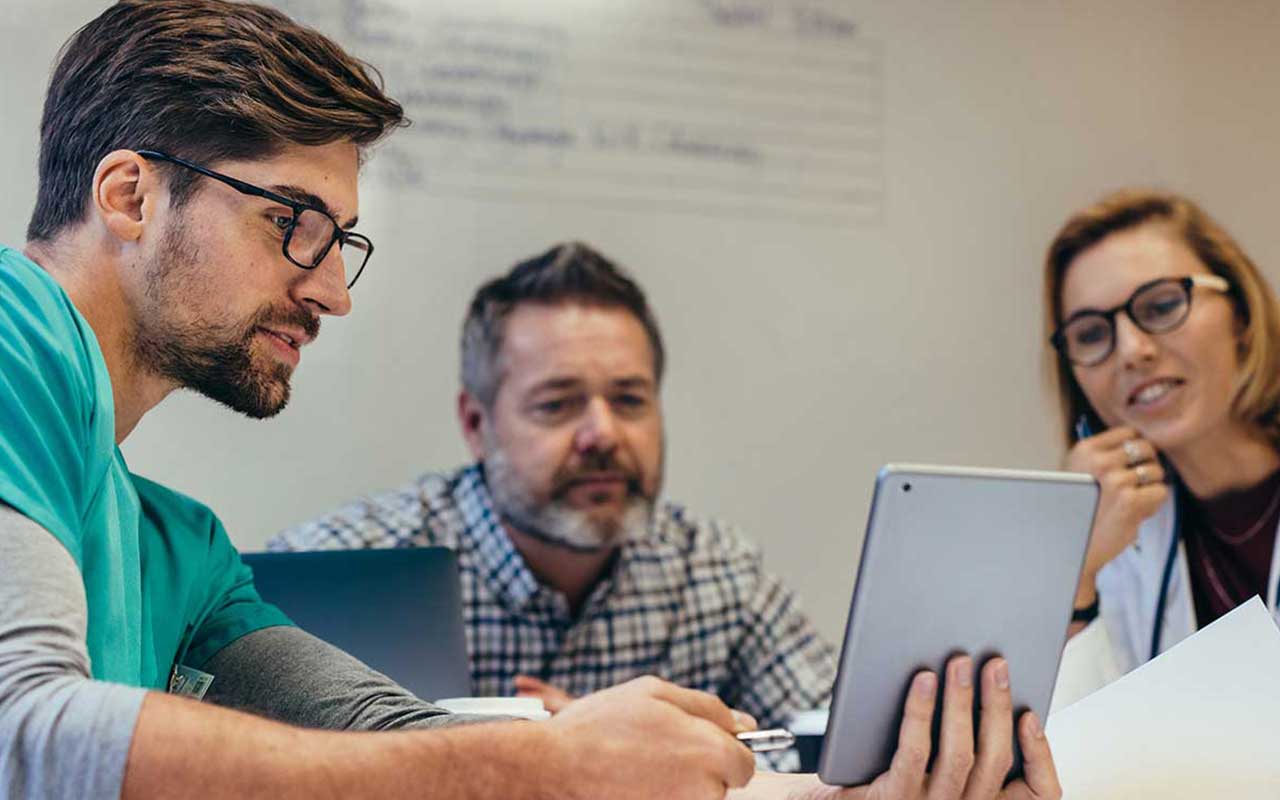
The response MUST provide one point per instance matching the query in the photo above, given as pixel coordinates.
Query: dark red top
(1229, 541)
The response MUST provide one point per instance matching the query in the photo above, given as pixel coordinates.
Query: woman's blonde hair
(1256, 397)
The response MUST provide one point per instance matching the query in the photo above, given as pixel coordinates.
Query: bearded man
(575, 578)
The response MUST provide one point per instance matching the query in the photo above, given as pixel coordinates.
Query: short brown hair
(206, 80)
(567, 273)
(1256, 399)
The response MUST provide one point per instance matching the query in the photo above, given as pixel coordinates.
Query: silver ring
(1133, 452)
(1144, 475)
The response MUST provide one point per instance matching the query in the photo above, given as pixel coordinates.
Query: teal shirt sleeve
(234, 607)
(52, 461)
(198, 593)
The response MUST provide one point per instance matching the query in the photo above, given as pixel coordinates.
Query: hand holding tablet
(962, 571)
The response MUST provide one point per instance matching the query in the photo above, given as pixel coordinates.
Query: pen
(767, 741)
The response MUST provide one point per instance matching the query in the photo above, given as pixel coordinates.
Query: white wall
(804, 353)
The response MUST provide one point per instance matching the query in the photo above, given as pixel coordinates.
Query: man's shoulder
(57, 438)
(173, 512)
(701, 538)
(40, 327)
(425, 511)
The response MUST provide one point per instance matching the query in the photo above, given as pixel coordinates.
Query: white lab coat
(1129, 588)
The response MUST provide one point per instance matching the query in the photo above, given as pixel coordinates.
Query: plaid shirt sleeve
(398, 518)
(781, 665)
(778, 663)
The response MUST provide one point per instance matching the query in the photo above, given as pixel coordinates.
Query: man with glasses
(197, 194)
(197, 189)
(310, 231)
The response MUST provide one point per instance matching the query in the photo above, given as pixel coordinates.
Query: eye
(631, 403)
(280, 221)
(1163, 306)
(554, 409)
(1089, 332)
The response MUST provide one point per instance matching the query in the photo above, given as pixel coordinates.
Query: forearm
(183, 748)
(779, 786)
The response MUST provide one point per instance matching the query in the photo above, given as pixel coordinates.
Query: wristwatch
(1087, 614)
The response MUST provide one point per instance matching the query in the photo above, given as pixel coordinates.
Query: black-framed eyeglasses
(309, 234)
(1088, 337)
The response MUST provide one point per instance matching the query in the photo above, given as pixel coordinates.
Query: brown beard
(215, 360)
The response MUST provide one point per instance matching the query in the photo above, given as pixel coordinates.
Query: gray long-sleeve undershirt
(63, 734)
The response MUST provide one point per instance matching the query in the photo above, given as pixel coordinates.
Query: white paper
(1200, 721)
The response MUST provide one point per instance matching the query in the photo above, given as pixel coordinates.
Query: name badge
(188, 682)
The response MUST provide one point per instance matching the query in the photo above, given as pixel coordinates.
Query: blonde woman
(1166, 347)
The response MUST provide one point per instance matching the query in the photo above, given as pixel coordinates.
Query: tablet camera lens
(906, 487)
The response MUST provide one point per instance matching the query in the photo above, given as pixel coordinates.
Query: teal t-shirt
(163, 583)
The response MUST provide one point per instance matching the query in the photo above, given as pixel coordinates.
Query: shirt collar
(504, 569)
(499, 563)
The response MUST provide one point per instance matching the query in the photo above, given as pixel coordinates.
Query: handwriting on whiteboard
(740, 108)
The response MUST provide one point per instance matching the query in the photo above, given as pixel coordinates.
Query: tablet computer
(980, 561)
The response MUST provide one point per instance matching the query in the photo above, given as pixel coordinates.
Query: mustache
(591, 466)
(291, 317)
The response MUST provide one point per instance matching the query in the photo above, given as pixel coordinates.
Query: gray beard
(555, 523)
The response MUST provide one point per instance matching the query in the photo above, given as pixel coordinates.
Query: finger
(1148, 498)
(743, 721)
(995, 732)
(530, 684)
(1122, 483)
(1138, 450)
(742, 764)
(1121, 477)
(1101, 454)
(915, 739)
(955, 746)
(733, 762)
(1120, 459)
(1039, 772)
(691, 701)
(1111, 437)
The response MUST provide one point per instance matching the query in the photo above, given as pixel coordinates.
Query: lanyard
(1168, 573)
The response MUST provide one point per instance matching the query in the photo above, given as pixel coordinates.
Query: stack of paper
(1201, 721)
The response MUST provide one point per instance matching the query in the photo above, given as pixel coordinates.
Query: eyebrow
(301, 195)
(551, 384)
(634, 382)
(567, 382)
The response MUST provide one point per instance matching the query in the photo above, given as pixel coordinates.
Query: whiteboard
(838, 210)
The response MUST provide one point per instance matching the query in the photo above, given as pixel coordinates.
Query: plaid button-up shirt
(689, 602)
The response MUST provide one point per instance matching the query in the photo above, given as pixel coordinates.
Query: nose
(324, 289)
(598, 431)
(1133, 345)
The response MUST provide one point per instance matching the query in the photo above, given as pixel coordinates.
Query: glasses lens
(312, 234)
(1088, 338)
(355, 254)
(1161, 307)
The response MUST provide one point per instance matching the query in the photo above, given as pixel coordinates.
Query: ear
(471, 418)
(127, 193)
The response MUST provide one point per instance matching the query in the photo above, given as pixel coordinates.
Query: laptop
(398, 610)
(955, 559)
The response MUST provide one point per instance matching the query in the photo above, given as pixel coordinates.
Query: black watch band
(1087, 614)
